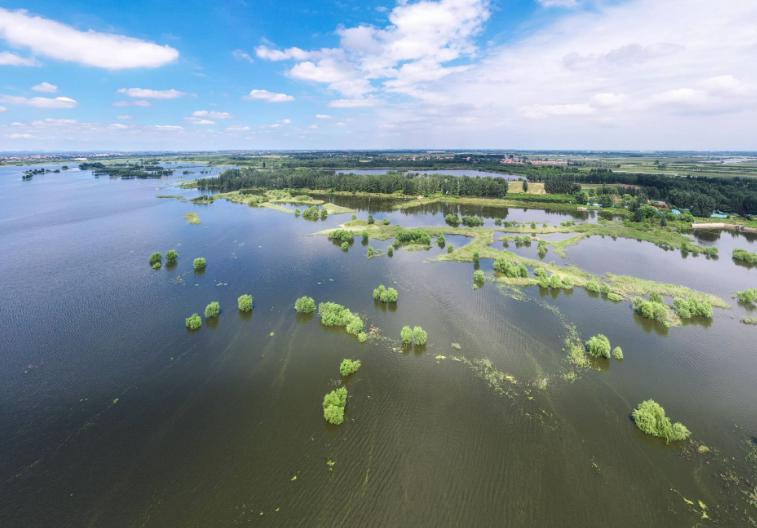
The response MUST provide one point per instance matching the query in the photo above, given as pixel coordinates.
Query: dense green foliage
(349, 367)
(413, 236)
(592, 286)
(193, 322)
(342, 236)
(384, 294)
(599, 346)
(472, 221)
(452, 219)
(416, 336)
(650, 417)
(141, 169)
(617, 353)
(334, 403)
(305, 304)
(479, 278)
(244, 302)
(692, 307)
(311, 213)
(748, 296)
(213, 309)
(742, 256)
(651, 309)
(406, 335)
(156, 260)
(441, 241)
(542, 248)
(199, 263)
(171, 256)
(390, 251)
(509, 268)
(333, 314)
(393, 182)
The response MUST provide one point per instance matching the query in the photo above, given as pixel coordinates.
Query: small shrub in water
(406, 335)
(199, 263)
(212, 310)
(452, 219)
(598, 346)
(692, 307)
(440, 241)
(345, 246)
(509, 268)
(171, 256)
(244, 302)
(342, 236)
(656, 311)
(476, 259)
(193, 322)
(390, 251)
(370, 219)
(365, 238)
(592, 286)
(614, 297)
(479, 278)
(450, 249)
(384, 294)
(349, 367)
(305, 304)
(324, 214)
(650, 417)
(156, 260)
(617, 353)
(748, 296)
(334, 403)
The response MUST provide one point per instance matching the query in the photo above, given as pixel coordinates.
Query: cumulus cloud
(138, 102)
(90, 48)
(147, 93)
(169, 128)
(558, 3)
(45, 87)
(270, 97)
(11, 59)
(19, 135)
(210, 114)
(40, 102)
(354, 103)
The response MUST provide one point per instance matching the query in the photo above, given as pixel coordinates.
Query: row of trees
(393, 182)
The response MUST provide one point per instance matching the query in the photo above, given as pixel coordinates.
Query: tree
(420, 336)
(193, 322)
(334, 403)
(441, 241)
(244, 303)
(406, 335)
(525, 186)
(384, 294)
(171, 256)
(452, 219)
(305, 304)
(479, 278)
(617, 353)
(370, 219)
(509, 268)
(599, 346)
(324, 214)
(390, 251)
(212, 310)
(199, 264)
(345, 246)
(156, 260)
(349, 367)
(649, 417)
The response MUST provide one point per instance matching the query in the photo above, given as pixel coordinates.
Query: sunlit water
(113, 414)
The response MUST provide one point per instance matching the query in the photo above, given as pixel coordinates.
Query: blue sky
(636, 74)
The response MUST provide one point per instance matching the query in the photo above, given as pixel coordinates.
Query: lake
(113, 414)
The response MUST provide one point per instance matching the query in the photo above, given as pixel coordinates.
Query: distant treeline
(143, 170)
(699, 194)
(317, 179)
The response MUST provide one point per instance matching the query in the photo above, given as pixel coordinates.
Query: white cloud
(210, 114)
(45, 87)
(11, 59)
(123, 117)
(558, 3)
(264, 52)
(200, 121)
(270, 97)
(354, 103)
(118, 126)
(90, 48)
(39, 102)
(138, 102)
(242, 55)
(147, 93)
(3, 109)
(170, 128)
(323, 116)
(19, 135)
(237, 128)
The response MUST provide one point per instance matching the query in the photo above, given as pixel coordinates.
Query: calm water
(112, 414)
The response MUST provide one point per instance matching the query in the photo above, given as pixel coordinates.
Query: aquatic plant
(742, 256)
(372, 252)
(599, 346)
(297, 212)
(384, 294)
(617, 353)
(193, 322)
(748, 296)
(692, 307)
(171, 256)
(304, 304)
(476, 259)
(349, 367)
(385, 221)
(479, 278)
(652, 309)
(333, 314)
(406, 335)
(213, 309)
(334, 403)
(592, 286)
(342, 236)
(199, 263)
(156, 260)
(509, 268)
(650, 418)
(192, 218)
(614, 296)
(244, 302)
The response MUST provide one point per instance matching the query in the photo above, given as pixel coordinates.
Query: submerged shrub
(450, 249)
(199, 263)
(472, 221)
(441, 241)
(365, 238)
(305, 304)
(370, 219)
(650, 418)
(385, 221)
(390, 251)
(372, 252)
(649, 309)
(385, 295)
(742, 256)
(406, 335)
(509, 268)
(345, 246)
(156, 260)
(333, 314)
(193, 322)
(542, 248)
(324, 214)
(617, 353)
(479, 278)
(342, 236)
(297, 212)
(419, 336)
(334, 403)
(171, 256)
(349, 367)
(692, 307)
(413, 236)
(452, 219)
(212, 310)
(311, 213)
(599, 346)
(748, 296)
(476, 260)
(244, 302)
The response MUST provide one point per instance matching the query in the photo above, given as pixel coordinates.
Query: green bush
(692, 307)
(599, 346)
(297, 212)
(748, 296)
(365, 238)
(385, 221)
(390, 251)
(592, 286)
(212, 310)
(743, 256)
(406, 335)
(649, 309)
(420, 336)
(370, 219)
(385, 295)
(614, 297)
(345, 246)
(441, 241)
(244, 302)
(472, 221)
(193, 322)
(305, 304)
(156, 260)
(617, 353)
(342, 236)
(199, 263)
(509, 268)
(452, 219)
(479, 278)
(324, 214)
(171, 256)
(334, 403)
(311, 213)
(542, 248)
(349, 367)
(650, 417)
(450, 249)
(413, 236)
(333, 314)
